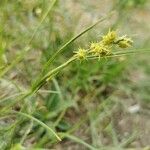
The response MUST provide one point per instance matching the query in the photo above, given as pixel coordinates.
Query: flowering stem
(51, 74)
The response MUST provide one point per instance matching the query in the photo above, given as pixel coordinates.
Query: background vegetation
(90, 105)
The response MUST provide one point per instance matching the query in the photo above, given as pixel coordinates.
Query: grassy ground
(98, 105)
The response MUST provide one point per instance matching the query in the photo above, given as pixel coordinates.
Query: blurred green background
(94, 104)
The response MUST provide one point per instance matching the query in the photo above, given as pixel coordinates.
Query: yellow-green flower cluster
(99, 49)
(124, 42)
(81, 53)
(104, 47)
(109, 38)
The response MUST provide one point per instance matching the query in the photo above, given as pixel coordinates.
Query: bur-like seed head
(99, 49)
(125, 42)
(109, 38)
(96, 47)
(81, 53)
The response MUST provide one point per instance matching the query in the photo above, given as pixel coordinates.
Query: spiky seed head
(96, 47)
(81, 54)
(125, 42)
(109, 38)
(99, 49)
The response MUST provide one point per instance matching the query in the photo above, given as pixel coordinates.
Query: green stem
(51, 74)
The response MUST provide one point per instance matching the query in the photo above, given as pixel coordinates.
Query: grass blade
(78, 140)
(39, 122)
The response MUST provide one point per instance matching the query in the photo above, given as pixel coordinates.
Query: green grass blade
(39, 122)
(135, 51)
(78, 140)
(130, 52)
